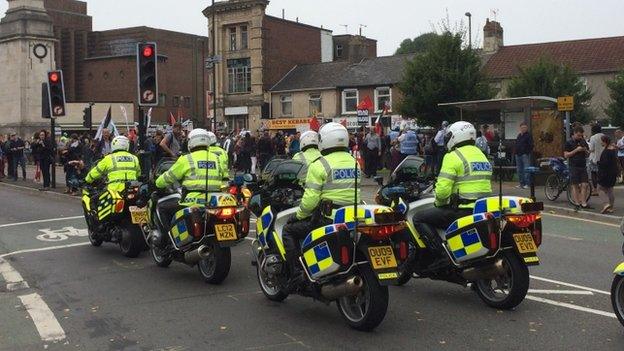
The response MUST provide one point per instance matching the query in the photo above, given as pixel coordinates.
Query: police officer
(217, 150)
(464, 178)
(199, 172)
(330, 178)
(118, 167)
(309, 148)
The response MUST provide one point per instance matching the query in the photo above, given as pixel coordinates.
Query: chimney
(492, 37)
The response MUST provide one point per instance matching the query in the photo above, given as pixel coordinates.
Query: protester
(524, 150)
(372, 153)
(228, 145)
(159, 152)
(294, 146)
(482, 143)
(619, 135)
(487, 133)
(264, 150)
(104, 145)
(279, 144)
(1, 156)
(576, 151)
(172, 142)
(71, 152)
(6, 145)
(607, 172)
(18, 160)
(595, 150)
(440, 148)
(43, 150)
(246, 147)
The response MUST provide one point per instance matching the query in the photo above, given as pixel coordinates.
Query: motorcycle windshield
(288, 172)
(410, 169)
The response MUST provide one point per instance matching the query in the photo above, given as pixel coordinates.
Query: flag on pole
(149, 117)
(104, 124)
(172, 120)
(314, 124)
(125, 114)
(366, 104)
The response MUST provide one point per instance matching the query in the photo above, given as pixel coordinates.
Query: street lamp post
(469, 15)
(214, 69)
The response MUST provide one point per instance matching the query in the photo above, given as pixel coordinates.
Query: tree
(547, 78)
(447, 72)
(615, 109)
(420, 44)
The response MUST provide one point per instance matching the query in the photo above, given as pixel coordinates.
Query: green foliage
(615, 110)
(447, 72)
(420, 44)
(547, 78)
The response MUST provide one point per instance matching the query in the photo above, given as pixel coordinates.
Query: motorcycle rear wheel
(271, 291)
(510, 289)
(216, 267)
(366, 310)
(131, 243)
(617, 297)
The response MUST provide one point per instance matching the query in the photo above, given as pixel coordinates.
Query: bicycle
(559, 182)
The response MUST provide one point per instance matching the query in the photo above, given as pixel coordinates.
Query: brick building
(100, 66)
(354, 48)
(257, 51)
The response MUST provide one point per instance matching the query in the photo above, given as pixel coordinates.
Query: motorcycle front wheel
(368, 308)
(508, 290)
(617, 297)
(216, 267)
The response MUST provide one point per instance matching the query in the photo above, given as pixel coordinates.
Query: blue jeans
(522, 162)
(17, 162)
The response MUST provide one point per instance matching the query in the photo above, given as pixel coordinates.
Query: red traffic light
(148, 51)
(54, 77)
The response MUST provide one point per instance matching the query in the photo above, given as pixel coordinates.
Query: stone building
(596, 60)
(258, 50)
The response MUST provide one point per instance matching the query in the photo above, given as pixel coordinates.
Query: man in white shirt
(595, 151)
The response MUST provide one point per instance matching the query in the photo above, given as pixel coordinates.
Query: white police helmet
(459, 132)
(333, 135)
(198, 137)
(120, 143)
(309, 138)
(212, 138)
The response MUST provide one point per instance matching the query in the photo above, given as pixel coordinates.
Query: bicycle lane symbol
(62, 234)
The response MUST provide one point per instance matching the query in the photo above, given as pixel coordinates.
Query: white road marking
(563, 237)
(571, 306)
(49, 248)
(12, 278)
(40, 221)
(581, 219)
(47, 325)
(571, 285)
(560, 292)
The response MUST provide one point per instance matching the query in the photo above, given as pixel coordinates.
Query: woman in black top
(607, 173)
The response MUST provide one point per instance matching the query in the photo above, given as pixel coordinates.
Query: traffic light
(147, 74)
(86, 118)
(56, 93)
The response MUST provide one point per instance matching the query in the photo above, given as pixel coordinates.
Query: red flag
(314, 124)
(378, 126)
(366, 104)
(172, 119)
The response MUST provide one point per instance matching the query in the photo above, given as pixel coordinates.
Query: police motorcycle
(350, 261)
(617, 287)
(196, 235)
(490, 250)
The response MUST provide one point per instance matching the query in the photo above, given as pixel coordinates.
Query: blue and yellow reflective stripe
(319, 258)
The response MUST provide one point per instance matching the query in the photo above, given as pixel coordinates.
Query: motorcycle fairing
(619, 270)
(106, 204)
(263, 224)
(179, 230)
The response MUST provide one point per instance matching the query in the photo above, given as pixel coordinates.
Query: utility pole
(214, 69)
(362, 26)
(469, 15)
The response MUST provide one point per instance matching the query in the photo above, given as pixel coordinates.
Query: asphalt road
(59, 293)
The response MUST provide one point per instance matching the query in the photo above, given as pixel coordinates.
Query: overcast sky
(389, 21)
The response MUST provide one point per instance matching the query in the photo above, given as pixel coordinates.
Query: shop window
(286, 102)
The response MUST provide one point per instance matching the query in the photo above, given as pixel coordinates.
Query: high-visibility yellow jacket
(330, 177)
(467, 172)
(308, 156)
(222, 154)
(118, 168)
(198, 172)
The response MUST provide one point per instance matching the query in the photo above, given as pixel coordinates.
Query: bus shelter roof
(518, 103)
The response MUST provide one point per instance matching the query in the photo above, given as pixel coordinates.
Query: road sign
(565, 103)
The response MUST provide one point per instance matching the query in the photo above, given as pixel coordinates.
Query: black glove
(292, 220)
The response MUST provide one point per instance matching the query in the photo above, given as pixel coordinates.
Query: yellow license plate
(225, 232)
(382, 257)
(525, 243)
(138, 215)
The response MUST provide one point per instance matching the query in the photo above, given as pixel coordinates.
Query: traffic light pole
(143, 154)
(53, 139)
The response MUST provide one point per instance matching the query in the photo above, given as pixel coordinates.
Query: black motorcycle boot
(296, 275)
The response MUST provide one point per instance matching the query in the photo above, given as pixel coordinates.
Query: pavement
(59, 293)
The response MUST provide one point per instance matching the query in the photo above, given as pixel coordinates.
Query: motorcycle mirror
(379, 180)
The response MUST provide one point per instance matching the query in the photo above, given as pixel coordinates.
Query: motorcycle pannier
(322, 250)
(469, 237)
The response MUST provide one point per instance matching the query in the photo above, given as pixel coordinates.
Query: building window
(232, 34)
(383, 97)
(162, 99)
(187, 101)
(338, 51)
(316, 105)
(239, 75)
(286, 102)
(176, 101)
(350, 99)
(244, 38)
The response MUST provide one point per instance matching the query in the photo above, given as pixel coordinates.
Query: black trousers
(437, 218)
(295, 232)
(371, 162)
(45, 171)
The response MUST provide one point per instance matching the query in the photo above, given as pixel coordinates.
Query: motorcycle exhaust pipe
(193, 257)
(349, 287)
(487, 272)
